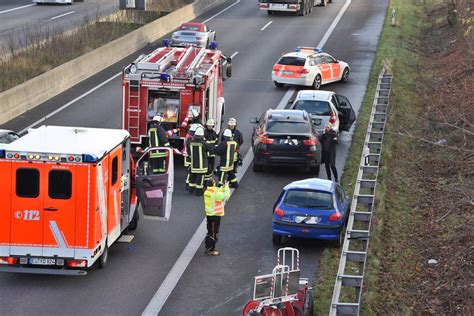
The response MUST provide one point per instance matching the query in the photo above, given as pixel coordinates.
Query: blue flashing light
(2, 153)
(165, 77)
(166, 42)
(213, 45)
(89, 158)
(315, 49)
(318, 50)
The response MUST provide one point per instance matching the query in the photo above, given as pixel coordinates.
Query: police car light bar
(308, 49)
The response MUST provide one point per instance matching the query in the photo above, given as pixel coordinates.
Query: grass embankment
(49, 47)
(406, 228)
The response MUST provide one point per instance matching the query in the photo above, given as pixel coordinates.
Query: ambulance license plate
(42, 261)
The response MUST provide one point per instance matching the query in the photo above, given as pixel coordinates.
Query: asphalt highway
(22, 17)
(209, 286)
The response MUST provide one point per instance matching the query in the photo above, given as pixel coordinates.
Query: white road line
(61, 15)
(69, 103)
(266, 25)
(17, 8)
(222, 11)
(169, 283)
(171, 280)
(234, 54)
(104, 83)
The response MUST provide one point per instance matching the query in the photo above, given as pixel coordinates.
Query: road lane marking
(222, 11)
(234, 54)
(104, 83)
(69, 103)
(61, 15)
(266, 25)
(17, 8)
(179, 267)
(171, 280)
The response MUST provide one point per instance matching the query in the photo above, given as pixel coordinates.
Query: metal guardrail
(350, 274)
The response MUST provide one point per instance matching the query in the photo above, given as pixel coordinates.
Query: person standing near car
(226, 151)
(214, 201)
(238, 137)
(328, 145)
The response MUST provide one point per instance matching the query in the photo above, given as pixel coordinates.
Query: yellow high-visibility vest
(215, 199)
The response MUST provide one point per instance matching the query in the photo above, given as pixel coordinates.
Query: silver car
(325, 106)
(193, 33)
(7, 137)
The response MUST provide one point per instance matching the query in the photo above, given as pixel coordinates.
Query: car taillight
(332, 120)
(263, 5)
(277, 67)
(279, 212)
(304, 71)
(8, 260)
(310, 142)
(265, 140)
(335, 216)
(293, 6)
(77, 263)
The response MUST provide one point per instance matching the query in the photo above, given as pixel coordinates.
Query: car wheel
(338, 243)
(345, 75)
(317, 82)
(278, 85)
(269, 12)
(315, 170)
(134, 223)
(257, 168)
(104, 257)
(276, 239)
(323, 3)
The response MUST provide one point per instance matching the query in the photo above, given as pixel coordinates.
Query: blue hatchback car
(311, 208)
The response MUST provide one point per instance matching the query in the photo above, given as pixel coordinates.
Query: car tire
(315, 170)
(345, 75)
(134, 223)
(317, 82)
(276, 239)
(323, 3)
(338, 243)
(257, 167)
(104, 257)
(269, 12)
(278, 85)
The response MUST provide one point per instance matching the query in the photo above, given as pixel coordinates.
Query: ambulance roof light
(213, 45)
(89, 158)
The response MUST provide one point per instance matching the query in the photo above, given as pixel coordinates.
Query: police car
(309, 66)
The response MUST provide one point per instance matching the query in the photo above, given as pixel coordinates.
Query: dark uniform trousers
(213, 225)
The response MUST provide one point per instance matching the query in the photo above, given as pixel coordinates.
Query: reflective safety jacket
(157, 138)
(215, 199)
(210, 136)
(227, 151)
(186, 153)
(199, 151)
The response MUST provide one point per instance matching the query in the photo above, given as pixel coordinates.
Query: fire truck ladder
(134, 110)
(196, 62)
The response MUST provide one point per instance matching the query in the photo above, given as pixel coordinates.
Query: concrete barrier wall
(26, 96)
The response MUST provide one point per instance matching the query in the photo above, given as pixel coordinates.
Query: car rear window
(308, 199)
(292, 61)
(313, 107)
(287, 127)
(190, 28)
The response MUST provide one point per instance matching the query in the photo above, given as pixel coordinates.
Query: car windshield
(313, 107)
(190, 28)
(7, 138)
(291, 61)
(308, 199)
(287, 127)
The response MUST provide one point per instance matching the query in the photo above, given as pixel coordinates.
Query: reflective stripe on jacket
(215, 199)
(157, 138)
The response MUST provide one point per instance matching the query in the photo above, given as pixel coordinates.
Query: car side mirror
(254, 120)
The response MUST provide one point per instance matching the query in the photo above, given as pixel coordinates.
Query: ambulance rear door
(27, 214)
(59, 209)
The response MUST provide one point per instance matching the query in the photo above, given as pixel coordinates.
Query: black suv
(285, 138)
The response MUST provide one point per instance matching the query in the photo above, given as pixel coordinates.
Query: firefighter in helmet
(157, 138)
(186, 154)
(210, 136)
(199, 151)
(238, 138)
(226, 151)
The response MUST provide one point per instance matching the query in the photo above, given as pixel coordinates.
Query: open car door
(348, 115)
(155, 191)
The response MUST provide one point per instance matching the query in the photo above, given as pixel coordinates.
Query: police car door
(155, 191)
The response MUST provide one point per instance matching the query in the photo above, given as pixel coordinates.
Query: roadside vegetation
(38, 50)
(425, 195)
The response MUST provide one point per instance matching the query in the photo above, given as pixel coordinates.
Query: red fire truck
(170, 82)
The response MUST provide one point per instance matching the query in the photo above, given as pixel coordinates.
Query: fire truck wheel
(134, 223)
(276, 239)
(308, 303)
(104, 258)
